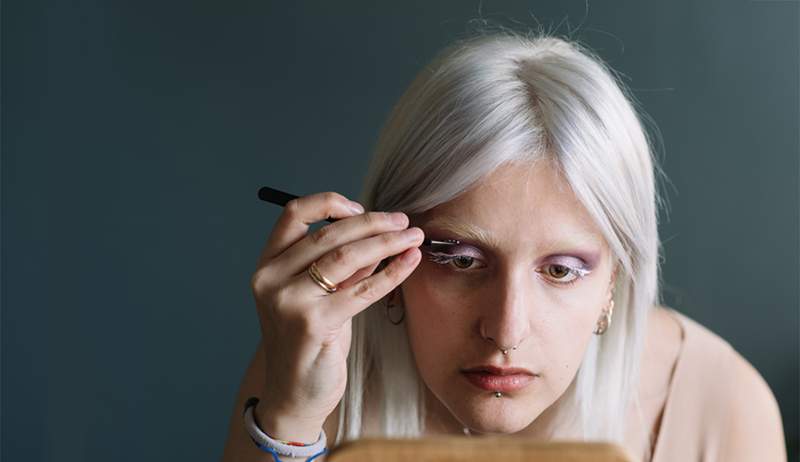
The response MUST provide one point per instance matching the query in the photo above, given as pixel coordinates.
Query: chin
(494, 425)
(491, 415)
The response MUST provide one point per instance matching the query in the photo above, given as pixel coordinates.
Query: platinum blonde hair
(482, 102)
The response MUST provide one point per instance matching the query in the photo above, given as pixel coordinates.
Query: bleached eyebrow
(470, 232)
(466, 231)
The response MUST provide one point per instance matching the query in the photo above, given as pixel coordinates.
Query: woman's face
(531, 271)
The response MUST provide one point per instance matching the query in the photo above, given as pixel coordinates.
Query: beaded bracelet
(277, 446)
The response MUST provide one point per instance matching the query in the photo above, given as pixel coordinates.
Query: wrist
(285, 427)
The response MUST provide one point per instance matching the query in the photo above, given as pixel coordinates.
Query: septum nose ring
(504, 350)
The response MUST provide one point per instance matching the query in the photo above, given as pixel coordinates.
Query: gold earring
(605, 321)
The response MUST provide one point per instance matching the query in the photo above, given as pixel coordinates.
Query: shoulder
(755, 428)
(662, 347)
(665, 334)
(739, 410)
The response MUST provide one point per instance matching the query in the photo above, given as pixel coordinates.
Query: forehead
(517, 202)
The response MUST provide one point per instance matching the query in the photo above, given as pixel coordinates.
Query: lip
(502, 379)
(498, 370)
(502, 383)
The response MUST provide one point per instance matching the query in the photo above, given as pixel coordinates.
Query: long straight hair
(482, 102)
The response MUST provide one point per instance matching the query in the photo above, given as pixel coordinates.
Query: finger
(340, 264)
(312, 247)
(299, 213)
(346, 303)
(357, 276)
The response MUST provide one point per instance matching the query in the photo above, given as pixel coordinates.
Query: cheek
(429, 302)
(563, 360)
(573, 312)
(564, 340)
(581, 300)
(434, 321)
(566, 330)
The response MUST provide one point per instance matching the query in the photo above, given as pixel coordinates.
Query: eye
(558, 271)
(460, 262)
(563, 274)
(554, 273)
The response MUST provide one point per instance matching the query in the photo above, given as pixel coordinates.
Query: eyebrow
(465, 231)
(469, 232)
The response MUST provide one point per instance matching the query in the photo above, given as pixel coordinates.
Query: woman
(543, 321)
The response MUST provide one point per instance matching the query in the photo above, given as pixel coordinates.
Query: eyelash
(445, 259)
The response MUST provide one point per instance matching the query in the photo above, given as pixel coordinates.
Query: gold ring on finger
(321, 280)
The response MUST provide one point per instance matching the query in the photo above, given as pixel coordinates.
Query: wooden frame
(482, 449)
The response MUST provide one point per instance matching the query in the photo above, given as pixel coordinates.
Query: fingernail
(412, 234)
(356, 207)
(399, 218)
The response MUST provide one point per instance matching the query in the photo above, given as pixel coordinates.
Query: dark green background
(135, 135)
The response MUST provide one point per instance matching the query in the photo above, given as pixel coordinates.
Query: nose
(506, 317)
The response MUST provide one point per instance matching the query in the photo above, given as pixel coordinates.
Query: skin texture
(507, 294)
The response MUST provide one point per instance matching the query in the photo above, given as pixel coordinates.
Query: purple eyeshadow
(458, 250)
(585, 260)
(577, 259)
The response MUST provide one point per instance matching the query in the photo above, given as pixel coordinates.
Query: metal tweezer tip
(430, 242)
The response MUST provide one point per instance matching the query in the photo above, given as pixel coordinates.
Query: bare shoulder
(742, 416)
(755, 426)
(665, 334)
(662, 348)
